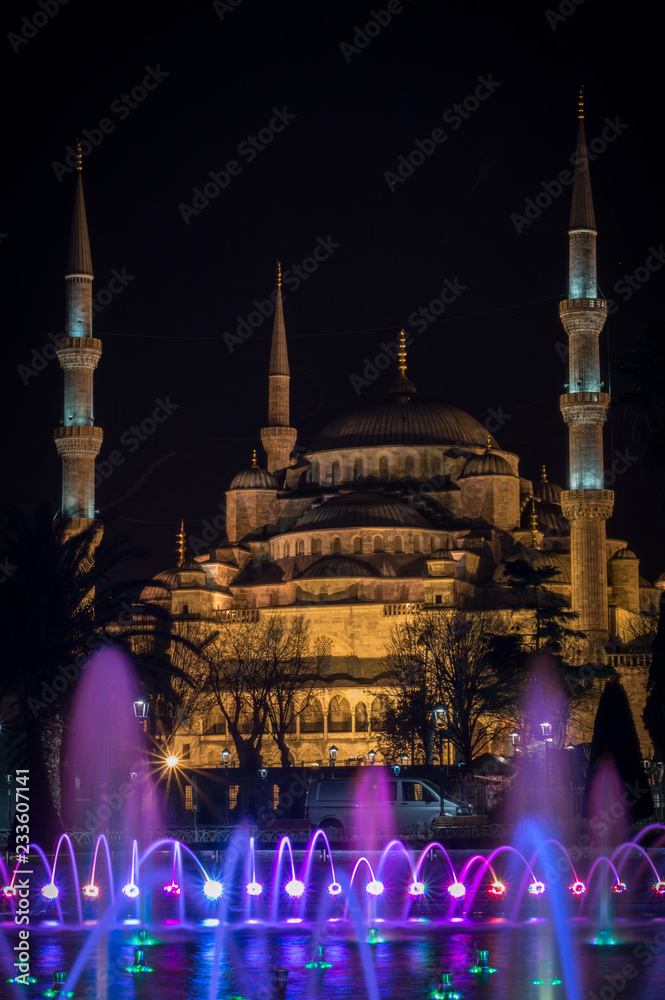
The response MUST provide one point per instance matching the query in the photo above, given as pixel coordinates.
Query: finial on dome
(279, 274)
(180, 538)
(255, 464)
(543, 475)
(79, 156)
(534, 525)
(580, 105)
(401, 353)
(489, 443)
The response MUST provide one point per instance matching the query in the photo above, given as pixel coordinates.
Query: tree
(260, 673)
(549, 615)
(614, 733)
(469, 663)
(59, 604)
(654, 709)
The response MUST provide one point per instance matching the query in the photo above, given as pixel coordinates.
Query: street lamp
(226, 757)
(439, 718)
(332, 753)
(546, 730)
(371, 756)
(404, 759)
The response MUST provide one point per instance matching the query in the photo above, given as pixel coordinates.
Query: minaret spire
(586, 504)
(78, 441)
(278, 438)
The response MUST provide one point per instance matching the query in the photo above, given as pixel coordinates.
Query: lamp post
(332, 754)
(546, 730)
(439, 717)
(404, 759)
(371, 756)
(226, 757)
(515, 740)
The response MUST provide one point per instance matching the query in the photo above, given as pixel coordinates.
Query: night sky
(346, 114)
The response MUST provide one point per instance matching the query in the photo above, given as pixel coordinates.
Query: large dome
(398, 421)
(361, 510)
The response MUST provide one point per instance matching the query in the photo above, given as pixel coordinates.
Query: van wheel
(330, 824)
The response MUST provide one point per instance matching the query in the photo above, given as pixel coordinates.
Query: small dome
(660, 582)
(361, 510)
(161, 595)
(547, 492)
(487, 464)
(191, 565)
(624, 554)
(337, 566)
(444, 554)
(254, 479)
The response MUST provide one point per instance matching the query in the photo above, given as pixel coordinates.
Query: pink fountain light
(172, 889)
(334, 888)
(659, 887)
(577, 888)
(417, 888)
(457, 890)
(374, 888)
(91, 890)
(536, 888)
(213, 889)
(497, 888)
(619, 887)
(50, 891)
(254, 889)
(295, 888)
(130, 890)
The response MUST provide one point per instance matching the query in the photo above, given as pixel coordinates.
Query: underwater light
(295, 888)
(482, 963)
(374, 888)
(334, 888)
(372, 936)
(536, 888)
(172, 889)
(417, 889)
(130, 890)
(213, 889)
(619, 887)
(457, 890)
(50, 891)
(443, 989)
(659, 887)
(497, 888)
(254, 889)
(91, 890)
(58, 990)
(577, 888)
(319, 961)
(604, 937)
(10, 890)
(546, 982)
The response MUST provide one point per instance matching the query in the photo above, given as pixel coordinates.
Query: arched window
(339, 715)
(324, 656)
(378, 543)
(416, 543)
(311, 718)
(317, 547)
(397, 544)
(409, 466)
(336, 473)
(403, 594)
(336, 547)
(300, 547)
(314, 472)
(358, 468)
(383, 467)
(378, 711)
(431, 545)
(362, 721)
(357, 545)
(287, 549)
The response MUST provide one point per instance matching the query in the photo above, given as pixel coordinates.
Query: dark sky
(351, 115)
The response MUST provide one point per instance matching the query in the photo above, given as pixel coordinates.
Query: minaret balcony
(585, 398)
(76, 441)
(569, 305)
(580, 504)
(79, 352)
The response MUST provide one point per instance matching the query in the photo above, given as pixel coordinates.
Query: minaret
(78, 441)
(586, 505)
(278, 438)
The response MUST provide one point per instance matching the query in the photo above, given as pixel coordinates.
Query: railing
(401, 609)
(641, 661)
(237, 615)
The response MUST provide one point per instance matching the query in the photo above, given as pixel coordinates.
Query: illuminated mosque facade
(400, 504)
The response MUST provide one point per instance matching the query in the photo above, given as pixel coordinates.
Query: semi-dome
(487, 464)
(660, 582)
(546, 491)
(254, 479)
(444, 554)
(398, 420)
(624, 554)
(361, 510)
(160, 595)
(337, 566)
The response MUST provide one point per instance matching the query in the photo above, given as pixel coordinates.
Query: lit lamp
(546, 729)
(332, 754)
(439, 718)
(515, 740)
(141, 709)
(226, 757)
(404, 759)
(263, 773)
(371, 756)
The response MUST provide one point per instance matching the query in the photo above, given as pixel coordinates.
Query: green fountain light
(320, 961)
(444, 988)
(139, 962)
(482, 963)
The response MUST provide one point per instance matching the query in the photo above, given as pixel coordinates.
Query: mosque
(400, 504)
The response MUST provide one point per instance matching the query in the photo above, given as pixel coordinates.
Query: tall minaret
(587, 505)
(78, 441)
(278, 438)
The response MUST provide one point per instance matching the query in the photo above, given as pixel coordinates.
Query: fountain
(534, 918)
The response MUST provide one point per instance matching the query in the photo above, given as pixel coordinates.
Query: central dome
(402, 421)
(361, 510)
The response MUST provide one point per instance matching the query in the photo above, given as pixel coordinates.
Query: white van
(334, 803)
